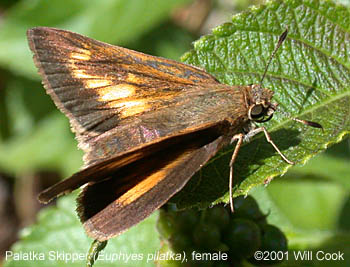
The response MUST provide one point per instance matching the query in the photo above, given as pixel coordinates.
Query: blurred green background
(37, 147)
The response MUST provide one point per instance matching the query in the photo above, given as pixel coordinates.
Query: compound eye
(257, 111)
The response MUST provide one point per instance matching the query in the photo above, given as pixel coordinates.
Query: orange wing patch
(97, 83)
(132, 78)
(118, 91)
(82, 74)
(130, 108)
(80, 54)
(152, 180)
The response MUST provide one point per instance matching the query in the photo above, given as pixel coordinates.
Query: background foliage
(310, 203)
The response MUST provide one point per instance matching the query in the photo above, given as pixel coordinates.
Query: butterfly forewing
(116, 98)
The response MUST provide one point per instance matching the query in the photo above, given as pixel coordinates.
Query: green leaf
(118, 21)
(310, 76)
(59, 235)
(49, 146)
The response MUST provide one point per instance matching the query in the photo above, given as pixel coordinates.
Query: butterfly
(146, 124)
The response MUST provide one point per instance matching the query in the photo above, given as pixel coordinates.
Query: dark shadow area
(31, 95)
(8, 216)
(295, 177)
(309, 92)
(36, 101)
(4, 129)
(340, 150)
(343, 219)
(5, 4)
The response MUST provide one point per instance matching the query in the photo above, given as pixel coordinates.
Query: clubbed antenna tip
(280, 42)
(309, 123)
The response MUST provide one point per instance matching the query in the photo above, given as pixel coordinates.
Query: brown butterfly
(146, 124)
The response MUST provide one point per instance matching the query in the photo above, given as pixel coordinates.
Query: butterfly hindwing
(132, 193)
(104, 169)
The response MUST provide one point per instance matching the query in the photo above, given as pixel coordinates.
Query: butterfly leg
(268, 139)
(239, 138)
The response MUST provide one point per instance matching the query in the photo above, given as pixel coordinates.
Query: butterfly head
(260, 108)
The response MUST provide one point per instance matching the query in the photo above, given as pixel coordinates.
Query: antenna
(309, 123)
(305, 122)
(280, 42)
